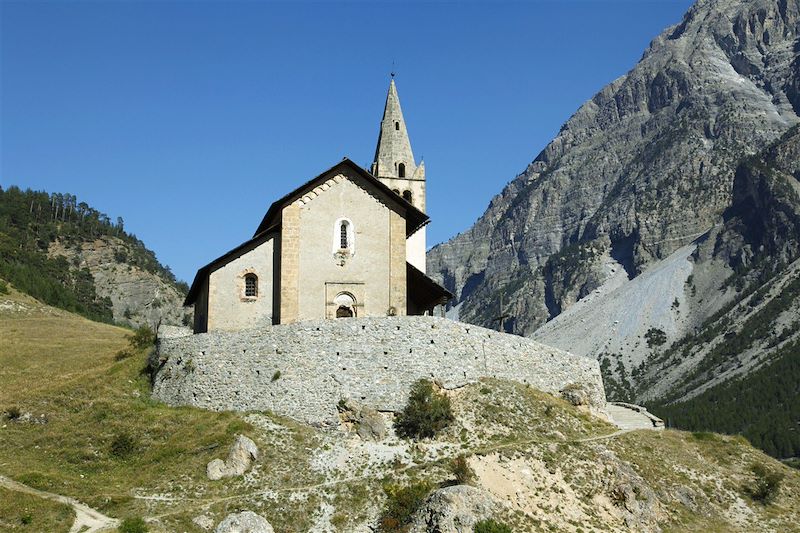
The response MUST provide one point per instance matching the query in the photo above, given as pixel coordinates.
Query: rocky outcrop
(241, 456)
(367, 423)
(244, 522)
(453, 509)
(138, 296)
(642, 169)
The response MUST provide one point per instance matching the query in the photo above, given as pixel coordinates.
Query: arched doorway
(345, 305)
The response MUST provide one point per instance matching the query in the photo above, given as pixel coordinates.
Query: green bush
(143, 337)
(276, 376)
(133, 525)
(491, 526)
(3, 287)
(766, 486)
(13, 413)
(655, 337)
(426, 413)
(123, 445)
(461, 470)
(401, 504)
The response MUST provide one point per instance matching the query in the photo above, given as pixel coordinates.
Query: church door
(344, 312)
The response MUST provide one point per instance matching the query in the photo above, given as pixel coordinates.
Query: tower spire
(395, 166)
(393, 155)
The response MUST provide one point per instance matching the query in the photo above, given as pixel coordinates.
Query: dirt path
(87, 520)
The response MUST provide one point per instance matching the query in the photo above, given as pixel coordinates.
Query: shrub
(143, 337)
(491, 526)
(26, 519)
(655, 337)
(13, 413)
(3, 287)
(133, 525)
(461, 470)
(276, 376)
(123, 445)
(767, 484)
(401, 504)
(426, 413)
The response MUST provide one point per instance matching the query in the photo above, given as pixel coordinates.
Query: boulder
(453, 509)
(576, 394)
(367, 422)
(244, 522)
(241, 456)
(203, 522)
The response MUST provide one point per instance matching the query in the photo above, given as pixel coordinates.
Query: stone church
(347, 243)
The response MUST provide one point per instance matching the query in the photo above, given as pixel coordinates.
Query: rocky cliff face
(645, 167)
(138, 296)
(760, 242)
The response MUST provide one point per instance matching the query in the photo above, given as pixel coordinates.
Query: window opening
(251, 285)
(343, 235)
(401, 170)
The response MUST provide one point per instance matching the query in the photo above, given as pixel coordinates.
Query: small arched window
(343, 238)
(251, 285)
(401, 170)
(407, 196)
(344, 242)
(396, 191)
(397, 126)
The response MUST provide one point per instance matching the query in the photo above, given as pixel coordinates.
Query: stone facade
(302, 370)
(364, 271)
(229, 308)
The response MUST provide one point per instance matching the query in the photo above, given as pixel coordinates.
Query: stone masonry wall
(371, 360)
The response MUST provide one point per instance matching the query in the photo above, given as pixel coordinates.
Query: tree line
(31, 220)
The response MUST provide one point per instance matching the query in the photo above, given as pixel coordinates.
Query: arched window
(397, 126)
(401, 170)
(251, 285)
(407, 196)
(343, 238)
(396, 191)
(344, 241)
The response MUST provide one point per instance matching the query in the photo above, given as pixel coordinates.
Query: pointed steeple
(393, 155)
(394, 165)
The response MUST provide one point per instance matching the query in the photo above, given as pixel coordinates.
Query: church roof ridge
(415, 218)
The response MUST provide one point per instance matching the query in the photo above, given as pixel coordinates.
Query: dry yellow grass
(42, 347)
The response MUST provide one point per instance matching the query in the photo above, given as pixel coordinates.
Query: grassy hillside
(103, 441)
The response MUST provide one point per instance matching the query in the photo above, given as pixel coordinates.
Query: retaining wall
(302, 370)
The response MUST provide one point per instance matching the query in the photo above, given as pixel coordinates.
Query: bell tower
(395, 166)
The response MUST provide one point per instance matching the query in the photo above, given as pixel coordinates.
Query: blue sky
(188, 119)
